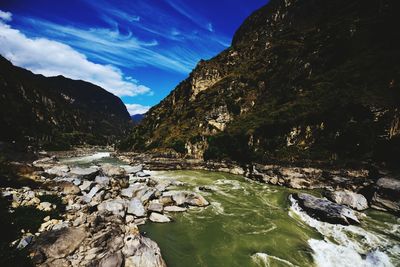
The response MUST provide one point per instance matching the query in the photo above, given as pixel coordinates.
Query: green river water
(254, 224)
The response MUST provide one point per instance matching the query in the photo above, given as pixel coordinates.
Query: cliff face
(303, 80)
(57, 112)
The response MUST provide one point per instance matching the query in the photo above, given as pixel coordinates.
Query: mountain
(57, 112)
(137, 118)
(303, 81)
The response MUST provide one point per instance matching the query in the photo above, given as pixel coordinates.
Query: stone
(387, 195)
(159, 218)
(166, 200)
(89, 196)
(195, 199)
(103, 180)
(142, 174)
(174, 209)
(350, 199)
(45, 206)
(162, 186)
(86, 185)
(132, 169)
(60, 170)
(112, 170)
(25, 241)
(116, 206)
(112, 260)
(84, 173)
(69, 188)
(61, 243)
(155, 206)
(141, 251)
(129, 218)
(325, 210)
(178, 197)
(136, 208)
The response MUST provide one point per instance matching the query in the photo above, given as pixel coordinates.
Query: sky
(138, 50)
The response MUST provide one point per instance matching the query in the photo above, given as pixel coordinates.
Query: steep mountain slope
(56, 112)
(304, 80)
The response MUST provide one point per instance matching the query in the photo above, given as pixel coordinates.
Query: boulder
(156, 206)
(132, 190)
(112, 170)
(86, 185)
(103, 180)
(142, 251)
(350, 199)
(387, 195)
(178, 197)
(45, 206)
(89, 196)
(195, 199)
(84, 173)
(132, 169)
(325, 210)
(174, 209)
(112, 260)
(60, 170)
(159, 218)
(69, 188)
(115, 206)
(136, 208)
(59, 244)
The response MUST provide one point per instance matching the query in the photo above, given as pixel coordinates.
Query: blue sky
(137, 49)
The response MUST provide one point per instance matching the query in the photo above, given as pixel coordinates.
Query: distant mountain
(304, 80)
(56, 112)
(137, 118)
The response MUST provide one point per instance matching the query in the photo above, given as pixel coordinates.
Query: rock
(113, 260)
(132, 169)
(69, 188)
(129, 218)
(159, 218)
(205, 189)
(25, 241)
(45, 206)
(141, 251)
(155, 205)
(350, 199)
(116, 206)
(86, 185)
(326, 210)
(61, 243)
(387, 195)
(61, 170)
(146, 195)
(112, 170)
(84, 173)
(89, 196)
(142, 174)
(162, 186)
(195, 199)
(105, 181)
(174, 209)
(136, 208)
(178, 197)
(166, 200)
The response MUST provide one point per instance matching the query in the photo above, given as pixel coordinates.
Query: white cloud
(6, 16)
(134, 109)
(51, 58)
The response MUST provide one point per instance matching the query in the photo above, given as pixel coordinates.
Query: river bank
(95, 210)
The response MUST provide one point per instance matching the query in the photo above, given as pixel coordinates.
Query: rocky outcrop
(326, 210)
(387, 195)
(289, 90)
(350, 199)
(57, 112)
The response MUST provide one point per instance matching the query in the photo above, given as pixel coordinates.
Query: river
(254, 224)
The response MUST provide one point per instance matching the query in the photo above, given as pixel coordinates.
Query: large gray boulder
(84, 173)
(59, 170)
(159, 218)
(112, 170)
(387, 195)
(141, 251)
(136, 208)
(115, 206)
(350, 199)
(325, 210)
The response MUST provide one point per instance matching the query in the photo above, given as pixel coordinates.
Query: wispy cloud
(5, 16)
(134, 109)
(51, 58)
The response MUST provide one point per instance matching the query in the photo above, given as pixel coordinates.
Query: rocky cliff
(56, 112)
(303, 81)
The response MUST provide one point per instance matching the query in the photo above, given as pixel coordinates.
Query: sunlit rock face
(57, 111)
(302, 81)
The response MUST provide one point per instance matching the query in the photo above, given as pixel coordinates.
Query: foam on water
(265, 260)
(344, 245)
(87, 159)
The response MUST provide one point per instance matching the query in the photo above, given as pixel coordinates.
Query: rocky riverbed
(102, 207)
(98, 207)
